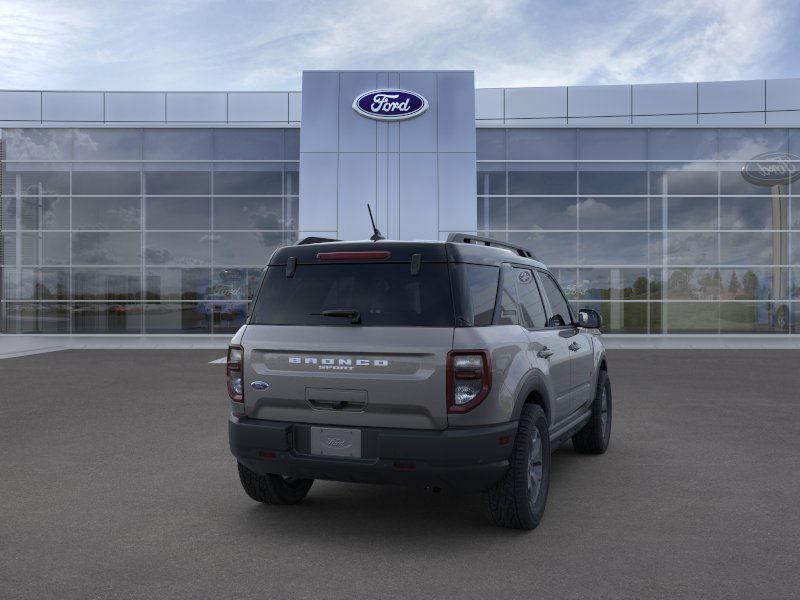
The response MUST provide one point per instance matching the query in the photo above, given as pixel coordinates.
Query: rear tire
(595, 435)
(518, 500)
(273, 489)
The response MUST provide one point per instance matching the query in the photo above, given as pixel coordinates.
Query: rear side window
(475, 293)
(558, 304)
(509, 315)
(530, 300)
(383, 294)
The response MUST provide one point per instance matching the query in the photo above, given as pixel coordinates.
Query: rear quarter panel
(507, 347)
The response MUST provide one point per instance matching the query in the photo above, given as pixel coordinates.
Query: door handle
(574, 346)
(545, 352)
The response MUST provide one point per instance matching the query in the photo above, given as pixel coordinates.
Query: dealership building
(670, 208)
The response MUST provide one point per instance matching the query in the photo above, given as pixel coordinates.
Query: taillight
(235, 371)
(469, 379)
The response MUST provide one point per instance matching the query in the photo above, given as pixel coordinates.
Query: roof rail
(466, 238)
(314, 240)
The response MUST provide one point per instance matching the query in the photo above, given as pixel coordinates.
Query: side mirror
(589, 319)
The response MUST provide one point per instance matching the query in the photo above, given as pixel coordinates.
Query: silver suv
(456, 365)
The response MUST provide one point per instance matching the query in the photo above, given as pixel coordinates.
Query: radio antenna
(376, 235)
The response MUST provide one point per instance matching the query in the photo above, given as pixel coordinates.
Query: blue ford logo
(259, 385)
(772, 168)
(390, 105)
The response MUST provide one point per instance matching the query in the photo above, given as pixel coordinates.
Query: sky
(264, 45)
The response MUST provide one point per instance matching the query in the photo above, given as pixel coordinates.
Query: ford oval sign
(390, 105)
(772, 168)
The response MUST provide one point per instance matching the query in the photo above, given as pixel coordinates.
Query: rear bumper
(467, 460)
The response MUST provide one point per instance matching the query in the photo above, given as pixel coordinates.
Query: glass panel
(491, 179)
(178, 144)
(673, 180)
(612, 248)
(612, 213)
(229, 317)
(755, 283)
(245, 248)
(8, 214)
(492, 213)
(693, 284)
(550, 248)
(175, 317)
(291, 144)
(8, 248)
(248, 213)
(732, 182)
(682, 144)
(235, 284)
(541, 213)
(171, 248)
(250, 182)
(44, 212)
(612, 144)
(527, 180)
(542, 144)
(107, 317)
(568, 280)
(106, 284)
(613, 182)
(621, 317)
(34, 317)
(690, 317)
(747, 317)
(746, 144)
(490, 144)
(178, 284)
(117, 183)
(656, 284)
(49, 248)
(794, 287)
(107, 144)
(177, 183)
(105, 213)
(248, 144)
(656, 213)
(105, 248)
(692, 248)
(291, 178)
(613, 284)
(692, 213)
(754, 213)
(291, 213)
(36, 183)
(38, 144)
(36, 284)
(750, 248)
(174, 212)
(795, 221)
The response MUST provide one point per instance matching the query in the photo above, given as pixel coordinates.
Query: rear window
(383, 294)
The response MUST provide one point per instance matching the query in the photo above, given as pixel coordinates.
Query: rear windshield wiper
(353, 315)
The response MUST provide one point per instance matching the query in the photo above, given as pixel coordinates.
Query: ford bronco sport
(457, 365)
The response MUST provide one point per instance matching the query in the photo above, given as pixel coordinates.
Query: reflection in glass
(229, 317)
(36, 284)
(747, 317)
(36, 183)
(491, 179)
(250, 182)
(755, 248)
(107, 317)
(690, 317)
(692, 213)
(178, 317)
(491, 144)
(693, 284)
(44, 248)
(248, 213)
(178, 248)
(550, 248)
(492, 213)
(541, 144)
(117, 183)
(106, 284)
(541, 213)
(173, 212)
(613, 182)
(248, 144)
(245, 248)
(522, 181)
(692, 248)
(620, 317)
(178, 284)
(107, 144)
(754, 213)
(105, 213)
(105, 248)
(613, 249)
(612, 213)
(36, 317)
(755, 283)
(177, 183)
(676, 181)
(44, 212)
(682, 144)
(613, 284)
(612, 144)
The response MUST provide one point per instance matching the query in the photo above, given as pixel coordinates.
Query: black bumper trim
(460, 459)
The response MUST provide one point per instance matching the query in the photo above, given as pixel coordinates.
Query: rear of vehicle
(357, 364)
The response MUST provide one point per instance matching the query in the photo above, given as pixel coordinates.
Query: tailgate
(341, 375)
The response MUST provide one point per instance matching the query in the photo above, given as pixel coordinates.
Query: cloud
(205, 44)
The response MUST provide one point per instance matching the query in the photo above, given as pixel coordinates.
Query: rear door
(387, 369)
(548, 349)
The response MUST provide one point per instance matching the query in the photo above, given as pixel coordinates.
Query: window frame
(540, 273)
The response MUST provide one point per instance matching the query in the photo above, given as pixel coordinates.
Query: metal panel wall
(418, 174)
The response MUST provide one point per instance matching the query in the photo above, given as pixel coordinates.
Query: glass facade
(141, 230)
(656, 229)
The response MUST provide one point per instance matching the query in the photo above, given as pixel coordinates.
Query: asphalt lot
(116, 482)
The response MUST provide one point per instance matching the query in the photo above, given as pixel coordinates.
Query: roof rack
(466, 238)
(315, 240)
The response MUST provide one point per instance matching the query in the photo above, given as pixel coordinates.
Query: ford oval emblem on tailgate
(259, 385)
